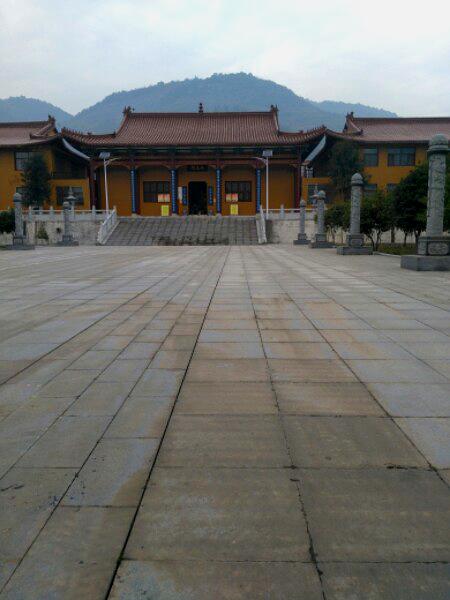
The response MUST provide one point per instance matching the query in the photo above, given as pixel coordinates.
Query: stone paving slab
(212, 422)
(228, 398)
(203, 580)
(349, 442)
(377, 515)
(431, 436)
(224, 441)
(413, 581)
(70, 558)
(326, 399)
(219, 514)
(114, 474)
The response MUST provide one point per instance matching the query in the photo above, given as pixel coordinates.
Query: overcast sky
(393, 54)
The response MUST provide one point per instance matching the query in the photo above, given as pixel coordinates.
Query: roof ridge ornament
(127, 111)
(200, 108)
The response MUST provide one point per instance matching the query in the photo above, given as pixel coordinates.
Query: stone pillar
(355, 241)
(19, 240)
(433, 252)
(173, 191)
(67, 238)
(258, 190)
(301, 238)
(219, 191)
(18, 237)
(320, 238)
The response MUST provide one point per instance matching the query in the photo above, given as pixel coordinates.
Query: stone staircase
(184, 231)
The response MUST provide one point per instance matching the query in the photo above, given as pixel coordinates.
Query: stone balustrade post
(355, 241)
(19, 239)
(433, 249)
(18, 220)
(320, 238)
(67, 238)
(301, 238)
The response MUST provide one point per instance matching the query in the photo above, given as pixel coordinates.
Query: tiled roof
(404, 130)
(196, 129)
(27, 132)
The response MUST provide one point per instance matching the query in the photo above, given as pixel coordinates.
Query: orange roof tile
(26, 133)
(403, 130)
(196, 129)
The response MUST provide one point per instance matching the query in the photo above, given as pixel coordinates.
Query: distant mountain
(231, 92)
(360, 110)
(20, 108)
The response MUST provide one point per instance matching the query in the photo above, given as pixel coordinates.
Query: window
(370, 156)
(391, 187)
(370, 189)
(68, 169)
(63, 192)
(401, 157)
(152, 189)
(243, 189)
(21, 158)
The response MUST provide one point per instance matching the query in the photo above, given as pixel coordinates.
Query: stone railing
(38, 215)
(107, 227)
(261, 227)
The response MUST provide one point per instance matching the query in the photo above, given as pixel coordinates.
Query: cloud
(75, 52)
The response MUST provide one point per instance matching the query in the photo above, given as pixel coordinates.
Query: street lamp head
(104, 155)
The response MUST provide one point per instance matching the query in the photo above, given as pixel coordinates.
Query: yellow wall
(10, 179)
(119, 189)
(382, 175)
(281, 187)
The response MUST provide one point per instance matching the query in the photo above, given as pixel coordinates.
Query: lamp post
(265, 159)
(105, 156)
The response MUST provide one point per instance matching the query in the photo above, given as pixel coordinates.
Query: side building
(389, 149)
(67, 166)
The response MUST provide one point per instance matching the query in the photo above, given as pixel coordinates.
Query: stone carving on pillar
(355, 240)
(301, 238)
(433, 252)
(67, 238)
(320, 238)
(19, 239)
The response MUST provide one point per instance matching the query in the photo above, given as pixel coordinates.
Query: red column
(92, 186)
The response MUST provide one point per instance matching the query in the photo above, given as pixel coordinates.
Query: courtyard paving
(223, 422)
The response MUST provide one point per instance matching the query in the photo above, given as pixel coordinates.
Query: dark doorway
(198, 198)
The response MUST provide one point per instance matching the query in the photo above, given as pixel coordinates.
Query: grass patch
(398, 249)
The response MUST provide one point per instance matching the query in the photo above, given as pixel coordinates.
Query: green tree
(337, 217)
(377, 216)
(410, 202)
(36, 180)
(344, 162)
(7, 221)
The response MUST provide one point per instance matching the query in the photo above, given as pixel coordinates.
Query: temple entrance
(197, 191)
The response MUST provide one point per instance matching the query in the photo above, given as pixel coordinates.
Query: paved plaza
(203, 423)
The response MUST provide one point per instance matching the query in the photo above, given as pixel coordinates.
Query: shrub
(7, 222)
(42, 233)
